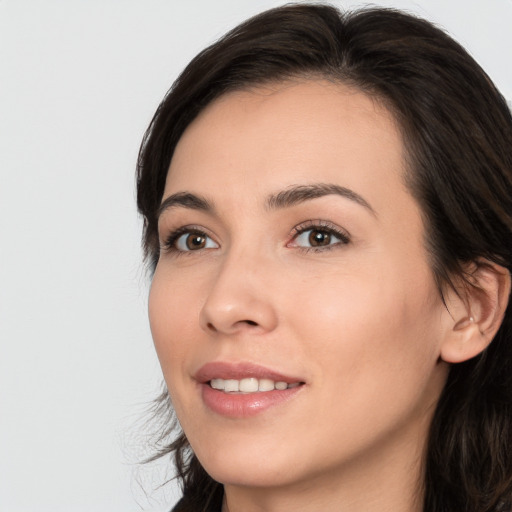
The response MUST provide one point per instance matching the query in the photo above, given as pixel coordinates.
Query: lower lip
(244, 405)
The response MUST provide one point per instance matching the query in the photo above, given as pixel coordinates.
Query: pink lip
(223, 370)
(243, 405)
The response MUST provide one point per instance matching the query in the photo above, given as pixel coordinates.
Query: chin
(251, 474)
(249, 465)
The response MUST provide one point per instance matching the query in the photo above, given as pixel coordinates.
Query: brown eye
(319, 238)
(193, 241)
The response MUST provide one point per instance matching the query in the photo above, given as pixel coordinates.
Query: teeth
(217, 383)
(249, 385)
(266, 385)
(231, 386)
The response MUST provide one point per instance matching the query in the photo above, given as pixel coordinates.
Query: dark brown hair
(457, 131)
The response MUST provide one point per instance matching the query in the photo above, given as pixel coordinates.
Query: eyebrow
(300, 193)
(285, 199)
(185, 200)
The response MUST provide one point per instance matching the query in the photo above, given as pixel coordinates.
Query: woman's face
(293, 253)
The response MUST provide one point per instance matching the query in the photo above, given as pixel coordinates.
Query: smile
(250, 385)
(242, 390)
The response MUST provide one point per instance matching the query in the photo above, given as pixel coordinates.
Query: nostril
(211, 327)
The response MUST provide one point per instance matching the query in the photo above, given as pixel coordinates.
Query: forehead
(270, 137)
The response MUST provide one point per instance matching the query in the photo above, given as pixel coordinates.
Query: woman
(327, 201)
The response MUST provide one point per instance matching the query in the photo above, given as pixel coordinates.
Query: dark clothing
(185, 506)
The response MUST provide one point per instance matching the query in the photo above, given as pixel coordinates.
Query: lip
(225, 370)
(243, 405)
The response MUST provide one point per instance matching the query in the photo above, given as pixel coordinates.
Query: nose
(240, 299)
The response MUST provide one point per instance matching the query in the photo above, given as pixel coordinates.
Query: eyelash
(322, 226)
(169, 244)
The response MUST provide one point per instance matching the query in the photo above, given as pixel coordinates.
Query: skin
(361, 322)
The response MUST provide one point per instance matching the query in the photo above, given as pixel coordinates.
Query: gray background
(79, 82)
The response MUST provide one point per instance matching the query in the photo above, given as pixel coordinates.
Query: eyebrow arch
(285, 199)
(185, 200)
(300, 193)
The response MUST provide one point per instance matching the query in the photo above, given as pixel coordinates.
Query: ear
(475, 312)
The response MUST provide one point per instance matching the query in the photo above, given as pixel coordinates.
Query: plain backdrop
(79, 82)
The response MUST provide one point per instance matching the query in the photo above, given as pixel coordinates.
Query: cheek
(363, 329)
(171, 308)
(375, 363)
(173, 321)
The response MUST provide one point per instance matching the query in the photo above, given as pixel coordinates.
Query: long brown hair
(457, 131)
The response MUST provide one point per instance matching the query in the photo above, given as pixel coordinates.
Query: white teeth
(266, 385)
(231, 386)
(250, 385)
(217, 383)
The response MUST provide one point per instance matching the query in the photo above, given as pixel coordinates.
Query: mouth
(251, 385)
(241, 390)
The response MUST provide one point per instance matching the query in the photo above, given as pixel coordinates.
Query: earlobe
(476, 312)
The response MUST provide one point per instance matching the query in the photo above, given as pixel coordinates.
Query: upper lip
(238, 371)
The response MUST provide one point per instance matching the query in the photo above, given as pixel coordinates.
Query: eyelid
(321, 225)
(168, 241)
